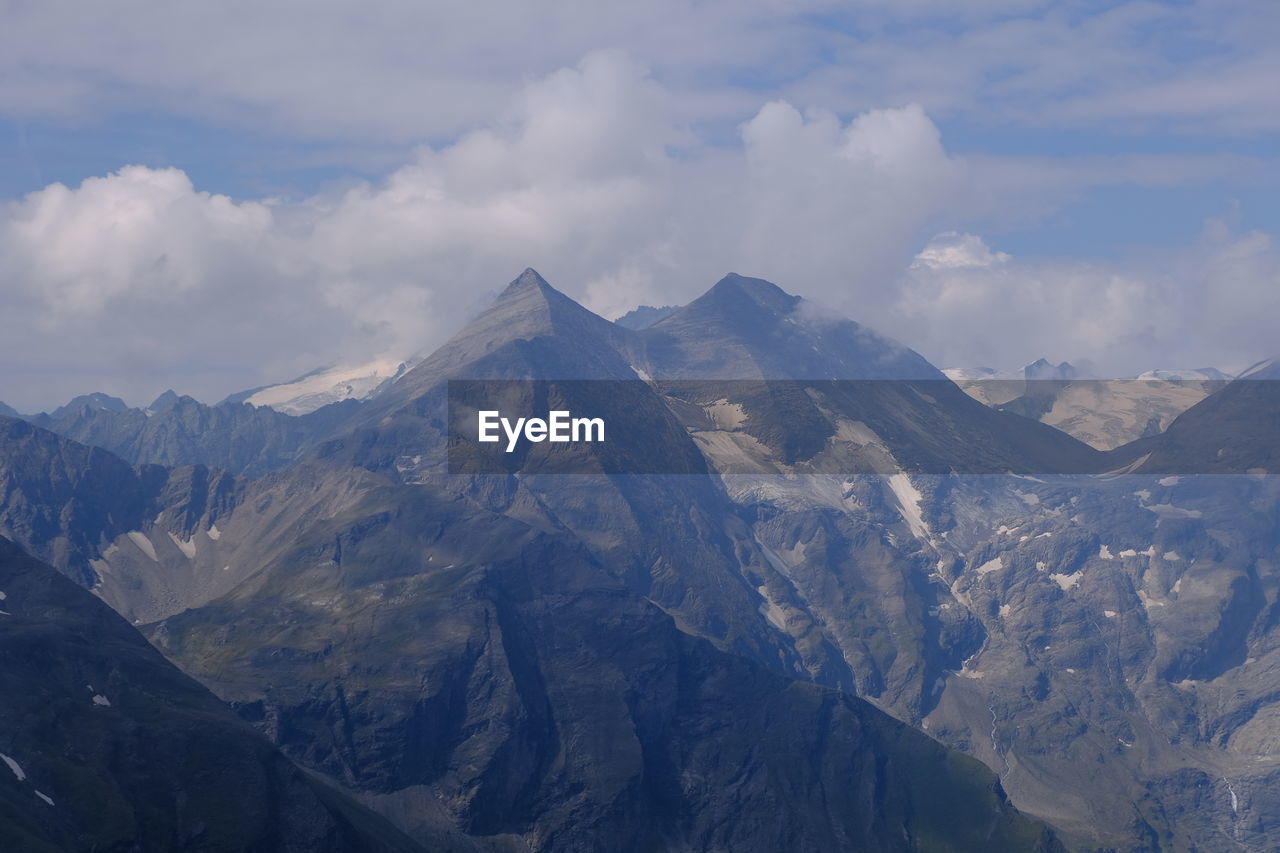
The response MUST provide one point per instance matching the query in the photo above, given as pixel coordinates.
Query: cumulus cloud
(834, 207)
(138, 281)
(1209, 304)
(952, 250)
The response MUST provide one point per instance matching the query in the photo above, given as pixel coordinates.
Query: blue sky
(326, 182)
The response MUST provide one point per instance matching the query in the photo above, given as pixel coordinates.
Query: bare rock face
(423, 651)
(109, 747)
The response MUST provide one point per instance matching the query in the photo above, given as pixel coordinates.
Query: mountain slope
(110, 748)
(523, 656)
(542, 688)
(131, 533)
(1234, 431)
(534, 696)
(812, 377)
(748, 328)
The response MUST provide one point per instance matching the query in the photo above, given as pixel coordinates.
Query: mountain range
(857, 585)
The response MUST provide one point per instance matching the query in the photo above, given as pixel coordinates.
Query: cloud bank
(138, 281)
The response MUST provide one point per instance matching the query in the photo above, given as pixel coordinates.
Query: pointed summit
(530, 331)
(528, 307)
(96, 400)
(1042, 369)
(164, 402)
(526, 315)
(734, 288)
(530, 279)
(749, 328)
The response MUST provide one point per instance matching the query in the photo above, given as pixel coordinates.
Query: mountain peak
(749, 328)
(1042, 368)
(530, 296)
(530, 329)
(529, 280)
(763, 293)
(96, 400)
(164, 402)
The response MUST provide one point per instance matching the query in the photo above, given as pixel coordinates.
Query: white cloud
(953, 250)
(1210, 304)
(138, 281)
(831, 207)
(77, 250)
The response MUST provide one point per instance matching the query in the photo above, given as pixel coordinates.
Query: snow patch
(1147, 601)
(1105, 553)
(13, 765)
(1171, 511)
(1067, 582)
(322, 387)
(856, 432)
(45, 797)
(1172, 556)
(214, 533)
(99, 699)
(909, 498)
(726, 415)
(776, 616)
(186, 546)
(1169, 481)
(144, 544)
(1110, 614)
(992, 565)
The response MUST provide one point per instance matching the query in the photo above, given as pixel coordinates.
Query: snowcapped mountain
(328, 385)
(988, 385)
(1198, 374)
